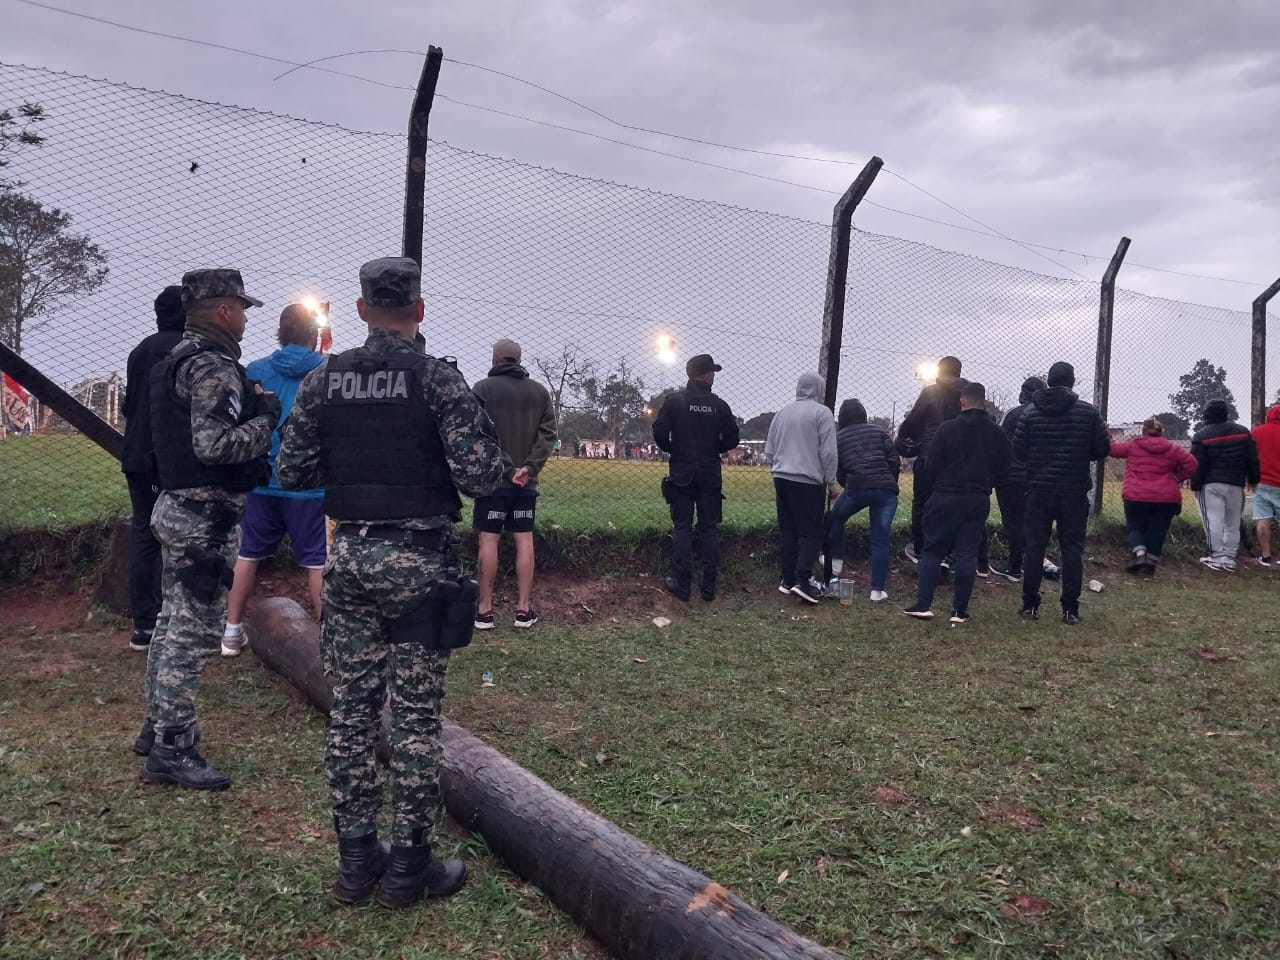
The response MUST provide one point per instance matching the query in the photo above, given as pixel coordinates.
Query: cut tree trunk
(638, 903)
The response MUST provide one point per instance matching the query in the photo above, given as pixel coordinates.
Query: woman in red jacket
(1152, 495)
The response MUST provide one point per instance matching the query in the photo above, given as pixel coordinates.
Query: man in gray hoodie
(802, 457)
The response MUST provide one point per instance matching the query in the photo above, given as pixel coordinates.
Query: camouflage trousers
(367, 584)
(195, 551)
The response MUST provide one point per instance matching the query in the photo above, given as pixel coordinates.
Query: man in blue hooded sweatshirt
(272, 511)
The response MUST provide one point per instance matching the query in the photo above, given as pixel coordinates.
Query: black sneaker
(958, 617)
(1070, 618)
(141, 640)
(1029, 612)
(1051, 570)
(1264, 561)
(909, 551)
(784, 588)
(182, 767)
(677, 589)
(527, 618)
(810, 591)
(484, 621)
(983, 571)
(1012, 574)
(920, 613)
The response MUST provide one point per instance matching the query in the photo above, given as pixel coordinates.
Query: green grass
(95, 864)
(57, 482)
(1001, 790)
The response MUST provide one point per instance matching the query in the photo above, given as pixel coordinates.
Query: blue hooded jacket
(281, 373)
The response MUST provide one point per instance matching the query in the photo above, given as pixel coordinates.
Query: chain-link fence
(589, 276)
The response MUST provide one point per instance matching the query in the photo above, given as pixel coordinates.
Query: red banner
(15, 406)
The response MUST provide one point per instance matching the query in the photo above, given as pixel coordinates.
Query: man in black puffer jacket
(968, 458)
(1012, 493)
(937, 403)
(1227, 459)
(144, 548)
(868, 471)
(1056, 439)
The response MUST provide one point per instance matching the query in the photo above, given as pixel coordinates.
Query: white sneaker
(233, 642)
(1211, 562)
(879, 596)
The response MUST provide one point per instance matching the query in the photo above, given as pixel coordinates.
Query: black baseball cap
(701, 364)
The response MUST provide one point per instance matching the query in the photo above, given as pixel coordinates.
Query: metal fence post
(838, 277)
(1258, 368)
(415, 178)
(1102, 362)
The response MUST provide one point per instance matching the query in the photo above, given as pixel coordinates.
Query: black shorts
(509, 510)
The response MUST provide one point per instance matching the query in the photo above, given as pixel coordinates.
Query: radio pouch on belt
(444, 620)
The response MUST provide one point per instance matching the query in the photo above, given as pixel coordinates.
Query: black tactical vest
(383, 458)
(176, 461)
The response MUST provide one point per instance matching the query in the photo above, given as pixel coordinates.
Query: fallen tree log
(636, 902)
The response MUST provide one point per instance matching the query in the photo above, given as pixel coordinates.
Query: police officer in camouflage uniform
(211, 431)
(390, 434)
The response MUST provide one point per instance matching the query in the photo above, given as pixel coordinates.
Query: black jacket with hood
(868, 460)
(1225, 451)
(937, 403)
(170, 319)
(1056, 438)
(1030, 387)
(969, 455)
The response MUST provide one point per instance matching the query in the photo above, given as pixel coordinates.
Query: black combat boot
(174, 759)
(413, 873)
(147, 737)
(361, 861)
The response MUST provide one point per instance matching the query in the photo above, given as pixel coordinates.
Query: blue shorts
(267, 519)
(1266, 502)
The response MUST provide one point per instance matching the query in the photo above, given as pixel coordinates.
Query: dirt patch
(1013, 814)
(55, 665)
(54, 606)
(891, 795)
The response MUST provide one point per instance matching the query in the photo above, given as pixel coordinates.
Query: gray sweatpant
(1221, 506)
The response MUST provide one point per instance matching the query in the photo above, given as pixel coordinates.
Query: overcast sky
(1063, 124)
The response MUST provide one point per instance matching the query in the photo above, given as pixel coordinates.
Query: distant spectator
(525, 419)
(272, 511)
(937, 403)
(695, 426)
(1057, 437)
(1151, 491)
(968, 458)
(868, 470)
(1011, 494)
(1266, 496)
(144, 548)
(1227, 460)
(803, 458)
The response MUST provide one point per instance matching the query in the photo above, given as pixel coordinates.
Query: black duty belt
(426, 539)
(212, 510)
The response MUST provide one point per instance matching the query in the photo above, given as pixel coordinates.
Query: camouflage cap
(200, 285)
(390, 282)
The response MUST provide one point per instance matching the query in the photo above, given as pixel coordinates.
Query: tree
(42, 263)
(1175, 428)
(579, 425)
(16, 131)
(655, 402)
(615, 400)
(1205, 382)
(563, 375)
(757, 428)
(883, 423)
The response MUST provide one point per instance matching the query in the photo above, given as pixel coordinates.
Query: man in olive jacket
(523, 415)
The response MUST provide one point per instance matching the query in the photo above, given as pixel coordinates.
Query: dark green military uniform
(210, 439)
(381, 567)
